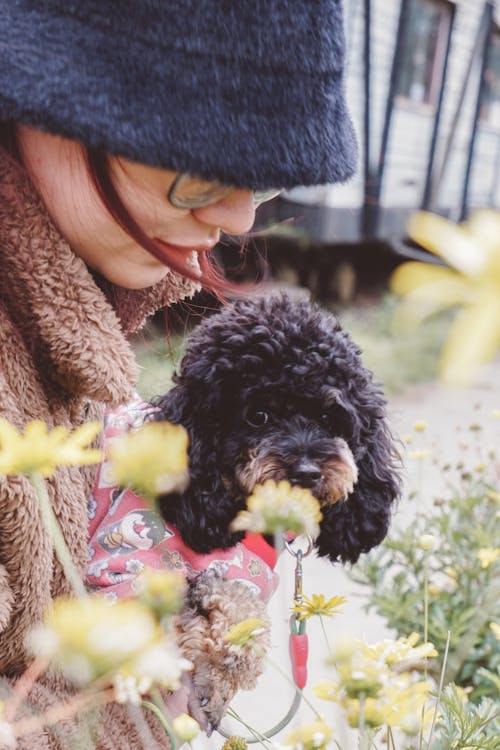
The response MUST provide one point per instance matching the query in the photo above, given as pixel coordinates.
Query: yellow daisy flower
(312, 736)
(394, 652)
(373, 715)
(327, 690)
(88, 638)
(235, 743)
(152, 460)
(488, 555)
(495, 627)
(274, 507)
(161, 591)
(244, 631)
(471, 282)
(402, 705)
(318, 605)
(40, 450)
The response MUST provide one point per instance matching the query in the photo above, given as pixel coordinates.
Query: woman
(134, 132)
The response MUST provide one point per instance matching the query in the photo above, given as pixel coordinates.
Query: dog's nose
(305, 473)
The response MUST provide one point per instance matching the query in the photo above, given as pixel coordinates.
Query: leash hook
(298, 644)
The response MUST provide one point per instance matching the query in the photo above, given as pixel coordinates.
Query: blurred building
(423, 85)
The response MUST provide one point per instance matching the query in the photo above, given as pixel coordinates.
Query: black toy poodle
(274, 388)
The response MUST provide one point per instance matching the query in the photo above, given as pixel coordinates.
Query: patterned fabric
(128, 535)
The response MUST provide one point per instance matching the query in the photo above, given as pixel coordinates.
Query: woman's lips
(184, 250)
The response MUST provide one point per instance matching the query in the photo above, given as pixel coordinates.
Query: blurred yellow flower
(40, 450)
(403, 702)
(161, 591)
(160, 663)
(244, 631)
(495, 627)
(274, 507)
(327, 690)
(488, 555)
(398, 701)
(426, 542)
(383, 675)
(343, 649)
(471, 282)
(419, 455)
(152, 460)
(235, 743)
(420, 426)
(404, 649)
(312, 736)
(185, 727)
(318, 605)
(128, 689)
(492, 495)
(372, 714)
(88, 638)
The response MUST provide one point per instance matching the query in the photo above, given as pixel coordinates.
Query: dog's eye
(324, 418)
(257, 418)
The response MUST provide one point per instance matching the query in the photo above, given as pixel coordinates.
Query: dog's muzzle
(330, 475)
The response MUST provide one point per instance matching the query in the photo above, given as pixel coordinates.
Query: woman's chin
(130, 276)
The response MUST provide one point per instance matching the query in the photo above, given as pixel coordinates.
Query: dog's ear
(203, 512)
(361, 522)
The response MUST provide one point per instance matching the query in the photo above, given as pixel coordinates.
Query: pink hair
(211, 276)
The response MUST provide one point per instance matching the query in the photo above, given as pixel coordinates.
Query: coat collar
(74, 326)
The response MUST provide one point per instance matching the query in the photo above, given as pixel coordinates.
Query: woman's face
(58, 168)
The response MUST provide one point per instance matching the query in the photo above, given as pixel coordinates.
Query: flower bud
(426, 542)
(185, 727)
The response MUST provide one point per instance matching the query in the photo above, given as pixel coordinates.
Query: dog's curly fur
(270, 388)
(213, 606)
(274, 388)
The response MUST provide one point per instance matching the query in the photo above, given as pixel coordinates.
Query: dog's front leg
(221, 668)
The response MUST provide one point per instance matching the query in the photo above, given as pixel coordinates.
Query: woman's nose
(234, 213)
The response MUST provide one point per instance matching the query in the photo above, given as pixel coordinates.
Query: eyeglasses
(190, 192)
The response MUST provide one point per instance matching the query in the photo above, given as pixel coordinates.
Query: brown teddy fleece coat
(64, 356)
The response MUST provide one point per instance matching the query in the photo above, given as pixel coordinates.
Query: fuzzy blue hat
(249, 92)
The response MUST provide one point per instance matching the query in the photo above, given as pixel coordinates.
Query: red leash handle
(299, 650)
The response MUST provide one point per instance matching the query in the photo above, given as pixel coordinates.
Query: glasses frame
(219, 192)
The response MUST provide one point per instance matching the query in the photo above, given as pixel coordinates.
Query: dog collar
(257, 544)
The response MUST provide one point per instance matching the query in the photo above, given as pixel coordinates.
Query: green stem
(291, 682)
(426, 603)
(426, 635)
(330, 651)
(257, 735)
(54, 531)
(163, 721)
(440, 688)
(484, 613)
(361, 724)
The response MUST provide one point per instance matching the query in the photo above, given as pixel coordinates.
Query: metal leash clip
(298, 645)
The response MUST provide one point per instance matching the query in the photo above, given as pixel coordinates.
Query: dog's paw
(221, 667)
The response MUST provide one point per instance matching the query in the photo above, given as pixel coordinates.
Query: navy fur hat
(249, 92)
